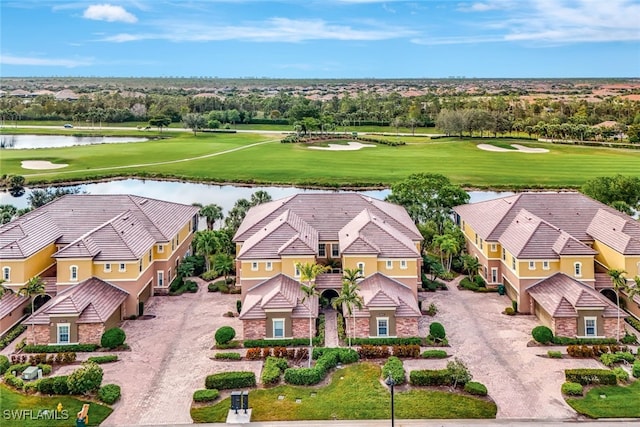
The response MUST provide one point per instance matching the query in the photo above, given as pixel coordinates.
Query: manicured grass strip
(621, 402)
(18, 402)
(355, 393)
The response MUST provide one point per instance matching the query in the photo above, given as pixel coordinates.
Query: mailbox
(245, 401)
(236, 400)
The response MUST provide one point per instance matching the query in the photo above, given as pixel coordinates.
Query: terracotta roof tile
(9, 302)
(280, 292)
(379, 291)
(21, 239)
(620, 233)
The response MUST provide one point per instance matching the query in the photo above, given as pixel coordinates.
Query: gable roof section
(619, 233)
(24, 238)
(92, 300)
(280, 293)
(9, 302)
(561, 296)
(380, 291)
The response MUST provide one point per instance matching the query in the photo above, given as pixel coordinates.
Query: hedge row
(12, 335)
(475, 388)
(272, 370)
(367, 351)
(205, 395)
(429, 377)
(630, 320)
(584, 351)
(393, 368)
(387, 341)
(590, 376)
(227, 356)
(59, 348)
(258, 353)
(434, 354)
(573, 341)
(292, 342)
(228, 380)
(327, 359)
(49, 358)
(103, 359)
(609, 359)
(635, 371)
(572, 389)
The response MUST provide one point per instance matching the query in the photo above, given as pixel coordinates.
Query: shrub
(31, 387)
(12, 335)
(436, 331)
(113, 338)
(554, 354)
(628, 338)
(432, 310)
(542, 334)
(60, 385)
(346, 356)
(386, 341)
(572, 389)
(293, 342)
(59, 348)
(633, 322)
(459, 373)
(590, 376)
(406, 351)
(635, 370)
(303, 376)
(509, 311)
(4, 363)
(85, 379)
(609, 359)
(373, 352)
(229, 380)
(621, 375)
(228, 356)
(205, 395)
(46, 369)
(570, 341)
(13, 381)
(394, 369)
(238, 306)
(18, 368)
(209, 275)
(225, 334)
(103, 359)
(212, 287)
(581, 351)
(475, 388)
(109, 393)
(272, 370)
(429, 377)
(45, 386)
(327, 358)
(434, 354)
(230, 344)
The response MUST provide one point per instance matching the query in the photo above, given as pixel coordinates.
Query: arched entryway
(326, 297)
(610, 294)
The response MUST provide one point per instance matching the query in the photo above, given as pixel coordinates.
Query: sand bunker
(351, 146)
(518, 148)
(41, 165)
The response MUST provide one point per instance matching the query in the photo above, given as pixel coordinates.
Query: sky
(320, 38)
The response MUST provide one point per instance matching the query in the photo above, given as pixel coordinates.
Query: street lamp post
(390, 382)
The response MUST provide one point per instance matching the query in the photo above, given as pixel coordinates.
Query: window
(590, 329)
(494, 247)
(494, 275)
(254, 266)
(169, 274)
(577, 269)
(322, 250)
(269, 266)
(278, 328)
(160, 249)
(173, 245)
(178, 239)
(107, 268)
(481, 244)
(63, 333)
(476, 239)
(160, 279)
(389, 264)
(532, 265)
(149, 256)
(73, 272)
(335, 250)
(383, 326)
(6, 274)
(361, 267)
(513, 263)
(140, 266)
(403, 264)
(123, 267)
(296, 273)
(545, 265)
(504, 254)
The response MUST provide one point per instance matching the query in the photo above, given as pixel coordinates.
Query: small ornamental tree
(225, 334)
(542, 334)
(113, 338)
(436, 330)
(85, 379)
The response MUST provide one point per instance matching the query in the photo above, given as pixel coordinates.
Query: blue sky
(321, 38)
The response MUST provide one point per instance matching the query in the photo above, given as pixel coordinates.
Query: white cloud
(109, 13)
(44, 62)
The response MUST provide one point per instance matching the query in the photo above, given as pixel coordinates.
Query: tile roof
(619, 233)
(561, 295)
(9, 302)
(93, 300)
(380, 291)
(21, 239)
(280, 292)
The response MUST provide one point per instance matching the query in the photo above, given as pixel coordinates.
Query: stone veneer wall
(406, 326)
(362, 326)
(254, 329)
(300, 327)
(565, 326)
(90, 333)
(38, 334)
(610, 325)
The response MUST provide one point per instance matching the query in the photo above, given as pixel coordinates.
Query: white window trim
(269, 266)
(481, 243)
(504, 254)
(476, 239)
(577, 269)
(160, 249)
(403, 264)
(107, 267)
(254, 266)
(322, 253)
(389, 264)
(545, 265)
(71, 270)
(595, 326)
(513, 263)
(150, 255)
(532, 265)
(122, 267)
(335, 253)
(296, 270)
(360, 266)
(273, 327)
(68, 325)
(378, 319)
(6, 274)
(494, 247)
(160, 279)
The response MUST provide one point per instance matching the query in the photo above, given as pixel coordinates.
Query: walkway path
(331, 328)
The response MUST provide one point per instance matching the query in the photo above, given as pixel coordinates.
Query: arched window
(361, 267)
(6, 274)
(73, 272)
(577, 269)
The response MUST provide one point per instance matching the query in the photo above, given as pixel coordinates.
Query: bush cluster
(609, 359)
(272, 370)
(542, 334)
(205, 395)
(4, 363)
(393, 368)
(574, 341)
(43, 348)
(293, 342)
(18, 368)
(475, 388)
(12, 335)
(591, 376)
(45, 385)
(219, 286)
(434, 354)
(436, 331)
(630, 320)
(430, 377)
(327, 359)
(230, 380)
(378, 352)
(572, 389)
(85, 379)
(110, 358)
(387, 341)
(227, 356)
(258, 353)
(225, 334)
(584, 351)
(13, 381)
(109, 393)
(346, 356)
(48, 358)
(621, 375)
(554, 354)
(635, 370)
(113, 338)
(476, 285)
(60, 385)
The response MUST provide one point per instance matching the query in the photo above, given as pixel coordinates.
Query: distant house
(552, 252)
(96, 242)
(341, 231)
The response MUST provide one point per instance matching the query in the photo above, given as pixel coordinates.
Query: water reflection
(19, 142)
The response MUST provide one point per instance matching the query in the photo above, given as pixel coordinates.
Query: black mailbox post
(245, 401)
(236, 400)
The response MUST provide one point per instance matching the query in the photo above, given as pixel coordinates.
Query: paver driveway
(494, 347)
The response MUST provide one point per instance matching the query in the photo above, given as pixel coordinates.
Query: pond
(223, 195)
(20, 142)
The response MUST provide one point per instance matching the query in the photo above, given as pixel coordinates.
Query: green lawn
(354, 393)
(18, 404)
(621, 402)
(275, 163)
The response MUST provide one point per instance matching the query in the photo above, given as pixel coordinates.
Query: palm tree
(471, 265)
(348, 296)
(211, 213)
(4, 289)
(223, 264)
(205, 244)
(259, 197)
(32, 289)
(308, 274)
(619, 283)
(448, 246)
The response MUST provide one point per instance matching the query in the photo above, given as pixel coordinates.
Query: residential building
(130, 243)
(341, 230)
(552, 252)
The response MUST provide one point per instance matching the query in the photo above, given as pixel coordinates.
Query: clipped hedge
(293, 342)
(621, 374)
(434, 354)
(80, 348)
(591, 376)
(609, 359)
(475, 388)
(328, 359)
(228, 380)
(4, 363)
(574, 341)
(205, 395)
(227, 356)
(553, 354)
(12, 335)
(13, 381)
(572, 389)
(635, 371)
(225, 334)
(272, 370)
(429, 377)
(346, 356)
(110, 358)
(113, 338)
(542, 334)
(394, 368)
(60, 385)
(45, 386)
(109, 393)
(387, 341)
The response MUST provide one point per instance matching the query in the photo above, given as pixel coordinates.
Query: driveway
(494, 348)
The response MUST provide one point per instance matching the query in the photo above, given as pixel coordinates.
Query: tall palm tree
(205, 244)
(471, 265)
(308, 274)
(349, 296)
(259, 197)
(619, 283)
(32, 289)
(4, 289)
(223, 264)
(211, 213)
